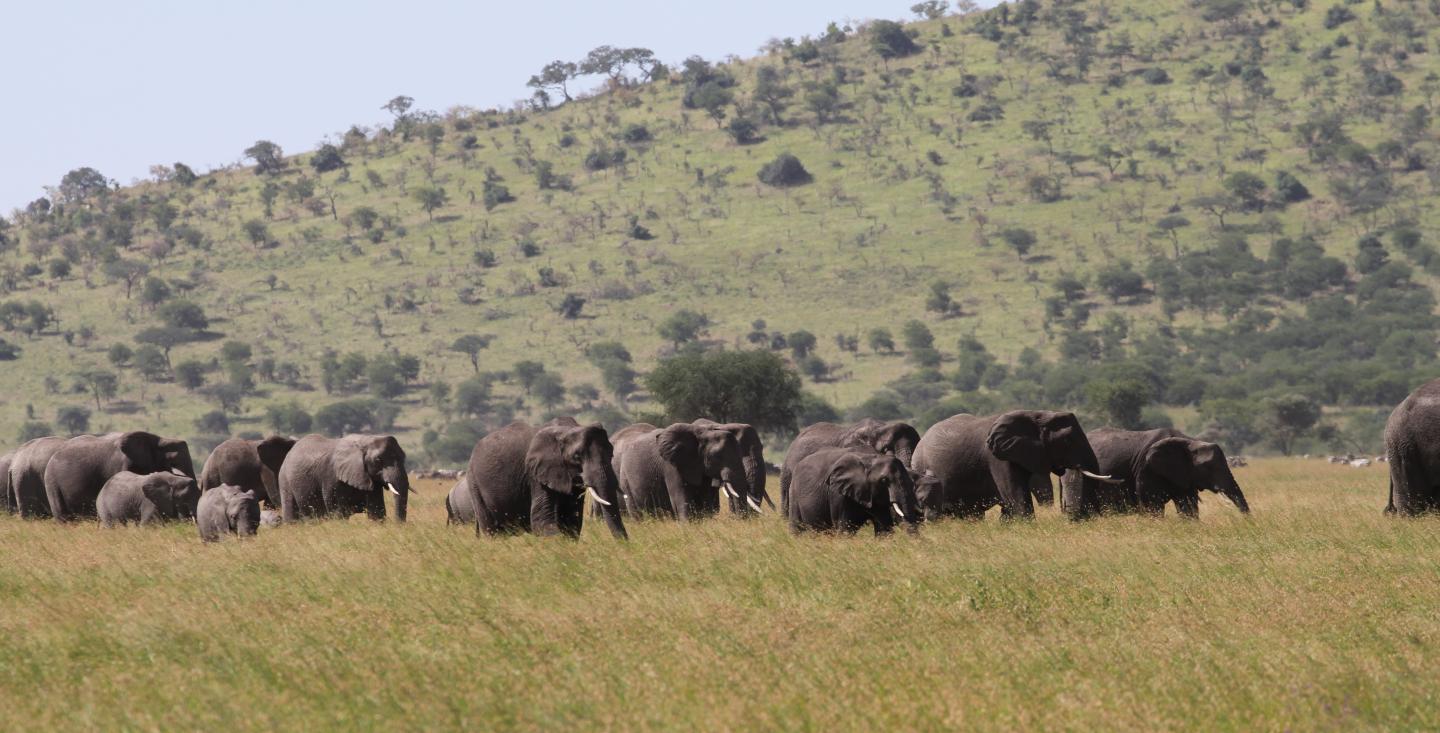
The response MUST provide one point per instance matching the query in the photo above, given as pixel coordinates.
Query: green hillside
(1207, 206)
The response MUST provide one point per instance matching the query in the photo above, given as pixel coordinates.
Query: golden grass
(1317, 612)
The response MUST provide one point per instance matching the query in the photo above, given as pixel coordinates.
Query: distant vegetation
(1218, 214)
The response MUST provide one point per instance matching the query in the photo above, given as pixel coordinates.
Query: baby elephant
(840, 489)
(145, 499)
(459, 508)
(226, 509)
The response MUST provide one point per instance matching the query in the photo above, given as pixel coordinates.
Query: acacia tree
(431, 198)
(269, 158)
(471, 345)
(755, 387)
(556, 75)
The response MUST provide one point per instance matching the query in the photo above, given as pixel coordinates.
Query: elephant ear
(848, 478)
(176, 454)
(348, 460)
(1171, 458)
(159, 491)
(1016, 438)
(897, 434)
(547, 462)
(678, 443)
(273, 450)
(141, 450)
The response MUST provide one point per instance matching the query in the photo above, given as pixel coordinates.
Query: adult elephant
(527, 479)
(680, 471)
(80, 468)
(1154, 467)
(338, 477)
(27, 476)
(894, 438)
(252, 465)
(752, 457)
(840, 489)
(984, 461)
(1412, 449)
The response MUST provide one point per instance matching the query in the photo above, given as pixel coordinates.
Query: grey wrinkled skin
(677, 471)
(984, 461)
(895, 438)
(80, 468)
(132, 498)
(459, 509)
(752, 457)
(527, 479)
(1155, 467)
(1412, 449)
(226, 510)
(253, 465)
(270, 518)
(330, 477)
(27, 476)
(841, 489)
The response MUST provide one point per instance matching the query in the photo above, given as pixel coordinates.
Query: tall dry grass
(1317, 612)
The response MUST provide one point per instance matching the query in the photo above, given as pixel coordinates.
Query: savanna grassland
(1036, 186)
(1315, 613)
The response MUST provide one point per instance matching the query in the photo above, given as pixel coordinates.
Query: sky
(121, 86)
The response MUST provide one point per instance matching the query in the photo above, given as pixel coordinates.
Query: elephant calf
(227, 509)
(459, 508)
(155, 497)
(840, 489)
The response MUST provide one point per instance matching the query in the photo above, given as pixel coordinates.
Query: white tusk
(897, 511)
(730, 490)
(768, 501)
(178, 472)
(1098, 477)
(753, 504)
(595, 496)
(391, 487)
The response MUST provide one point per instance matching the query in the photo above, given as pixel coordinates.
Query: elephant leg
(1410, 489)
(288, 511)
(680, 499)
(1187, 505)
(485, 521)
(375, 505)
(1013, 485)
(570, 515)
(784, 492)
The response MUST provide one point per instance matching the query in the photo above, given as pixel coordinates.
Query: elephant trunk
(906, 453)
(398, 483)
(1227, 485)
(755, 476)
(603, 486)
(904, 504)
(245, 524)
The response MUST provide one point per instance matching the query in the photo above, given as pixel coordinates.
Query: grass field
(1317, 613)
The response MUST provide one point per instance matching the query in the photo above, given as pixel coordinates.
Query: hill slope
(1138, 145)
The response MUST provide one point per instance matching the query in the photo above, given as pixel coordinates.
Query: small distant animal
(1360, 463)
(1237, 461)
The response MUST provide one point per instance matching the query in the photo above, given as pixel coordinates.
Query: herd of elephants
(523, 478)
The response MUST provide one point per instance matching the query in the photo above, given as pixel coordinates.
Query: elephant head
(880, 483)
(144, 453)
(929, 494)
(242, 509)
(1044, 442)
(752, 458)
(895, 438)
(703, 454)
(569, 458)
(373, 463)
(1190, 465)
(172, 494)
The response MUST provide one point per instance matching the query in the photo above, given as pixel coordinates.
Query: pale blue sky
(120, 85)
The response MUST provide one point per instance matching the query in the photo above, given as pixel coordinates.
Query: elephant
(27, 476)
(984, 461)
(252, 465)
(338, 477)
(1154, 467)
(672, 472)
(896, 438)
(527, 479)
(146, 498)
(227, 509)
(80, 468)
(840, 489)
(1412, 451)
(5, 494)
(458, 506)
(270, 518)
(752, 457)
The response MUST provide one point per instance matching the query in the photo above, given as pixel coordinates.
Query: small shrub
(785, 171)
